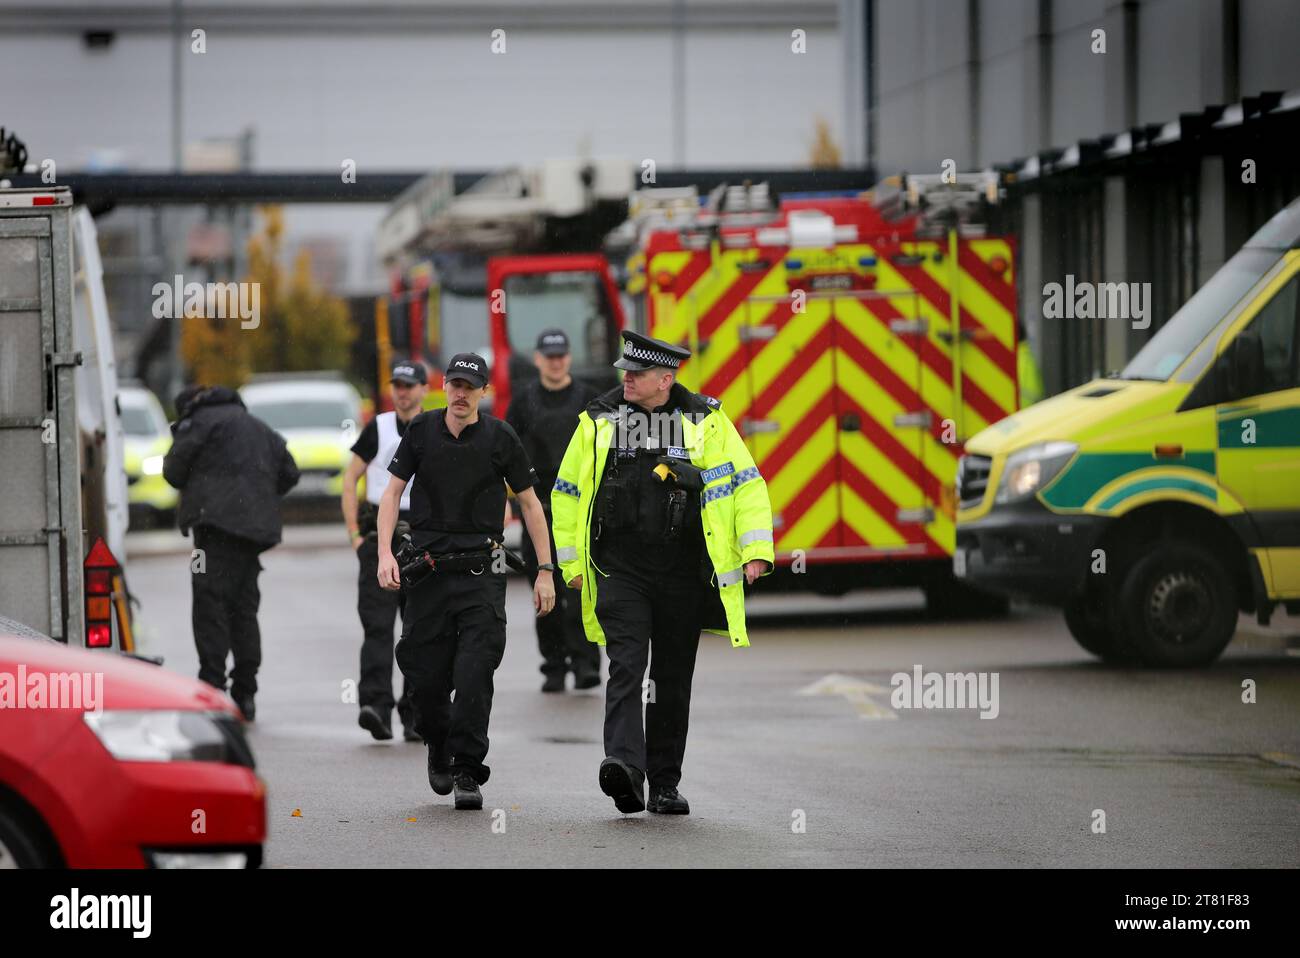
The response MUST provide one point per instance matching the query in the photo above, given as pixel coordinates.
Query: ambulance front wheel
(1176, 607)
(1087, 619)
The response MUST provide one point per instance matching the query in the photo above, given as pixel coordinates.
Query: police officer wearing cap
(660, 520)
(544, 413)
(376, 606)
(457, 462)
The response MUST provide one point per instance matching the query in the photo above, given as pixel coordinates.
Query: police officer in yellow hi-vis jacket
(660, 519)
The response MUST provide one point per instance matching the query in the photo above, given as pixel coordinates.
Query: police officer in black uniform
(544, 414)
(454, 623)
(650, 544)
(378, 607)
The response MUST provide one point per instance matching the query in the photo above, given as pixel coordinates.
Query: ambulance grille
(973, 479)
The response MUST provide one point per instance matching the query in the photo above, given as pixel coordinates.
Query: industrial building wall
(426, 89)
(993, 82)
(988, 81)
(412, 85)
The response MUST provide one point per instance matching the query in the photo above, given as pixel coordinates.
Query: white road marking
(856, 691)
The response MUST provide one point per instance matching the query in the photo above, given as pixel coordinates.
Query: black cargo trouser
(453, 638)
(560, 636)
(223, 581)
(378, 608)
(636, 614)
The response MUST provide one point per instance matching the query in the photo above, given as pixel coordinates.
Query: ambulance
(1157, 505)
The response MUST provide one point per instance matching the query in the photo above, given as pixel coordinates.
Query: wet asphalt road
(795, 757)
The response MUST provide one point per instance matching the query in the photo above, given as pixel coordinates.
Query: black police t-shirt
(545, 420)
(458, 496)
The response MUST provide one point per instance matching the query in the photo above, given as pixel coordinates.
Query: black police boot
(409, 734)
(468, 795)
(374, 723)
(554, 682)
(666, 800)
(246, 706)
(585, 678)
(439, 774)
(623, 784)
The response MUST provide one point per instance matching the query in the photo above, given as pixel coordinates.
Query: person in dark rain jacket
(231, 469)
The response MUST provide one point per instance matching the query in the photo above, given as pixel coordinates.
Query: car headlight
(152, 466)
(1032, 468)
(162, 736)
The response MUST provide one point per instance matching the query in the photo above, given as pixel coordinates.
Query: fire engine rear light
(42, 201)
(99, 581)
(100, 568)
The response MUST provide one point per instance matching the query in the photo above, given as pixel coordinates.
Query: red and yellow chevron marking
(831, 486)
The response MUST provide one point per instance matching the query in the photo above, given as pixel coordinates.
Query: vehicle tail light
(101, 567)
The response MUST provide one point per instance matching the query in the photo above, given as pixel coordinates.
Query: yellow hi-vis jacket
(735, 512)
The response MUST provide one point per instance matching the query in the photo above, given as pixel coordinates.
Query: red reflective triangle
(100, 557)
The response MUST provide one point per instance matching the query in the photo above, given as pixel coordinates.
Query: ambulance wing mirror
(1240, 367)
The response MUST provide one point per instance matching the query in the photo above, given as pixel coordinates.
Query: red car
(111, 762)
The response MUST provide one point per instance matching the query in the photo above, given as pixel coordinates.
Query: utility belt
(628, 500)
(416, 566)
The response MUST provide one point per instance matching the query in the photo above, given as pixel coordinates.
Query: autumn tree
(299, 326)
(825, 154)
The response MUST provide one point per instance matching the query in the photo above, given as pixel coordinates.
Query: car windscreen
(284, 414)
(1186, 329)
(138, 421)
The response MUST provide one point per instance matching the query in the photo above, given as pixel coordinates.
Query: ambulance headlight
(1029, 470)
(152, 466)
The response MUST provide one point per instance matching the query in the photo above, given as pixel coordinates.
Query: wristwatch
(547, 566)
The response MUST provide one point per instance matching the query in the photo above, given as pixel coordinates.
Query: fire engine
(487, 270)
(857, 342)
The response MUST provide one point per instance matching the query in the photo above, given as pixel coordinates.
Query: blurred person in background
(231, 469)
(544, 414)
(378, 607)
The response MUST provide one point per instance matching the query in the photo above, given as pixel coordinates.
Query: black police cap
(470, 367)
(642, 352)
(553, 342)
(410, 372)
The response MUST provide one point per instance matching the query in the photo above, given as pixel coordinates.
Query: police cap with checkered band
(641, 352)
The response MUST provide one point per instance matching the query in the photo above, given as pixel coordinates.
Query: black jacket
(230, 467)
